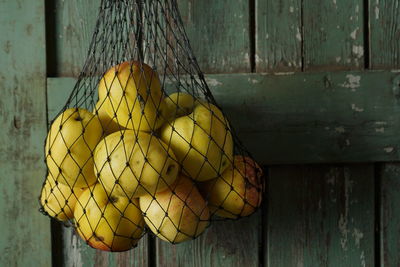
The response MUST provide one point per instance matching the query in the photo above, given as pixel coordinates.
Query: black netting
(141, 144)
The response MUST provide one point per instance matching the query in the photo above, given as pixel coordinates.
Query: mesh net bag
(141, 144)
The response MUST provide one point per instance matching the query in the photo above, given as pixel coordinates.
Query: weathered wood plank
(225, 48)
(74, 23)
(308, 117)
(384, 46)
(75, 251)
(333, 34)
(320, 216)
(227, 243)
(26, 239)
(384, 18)
(278, 35)
(219, 34)
(389, 214)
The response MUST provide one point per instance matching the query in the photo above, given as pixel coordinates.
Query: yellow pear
(132, 96)
(70, 143)
(176, 214)
(108, 125)
(59, 200)
(130, 164)
(179, 104)
(108, 222)
(238, 192)
(202, 142)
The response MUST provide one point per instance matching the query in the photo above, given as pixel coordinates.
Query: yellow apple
(70, 143)
(130, 164)
(238, 192)
(132, 96)
(108, 125)
(176, 214)
(179, 104)
(59, 200)
(108, 222)
(202, 142)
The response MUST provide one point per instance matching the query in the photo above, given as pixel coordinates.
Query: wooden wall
(313, 90)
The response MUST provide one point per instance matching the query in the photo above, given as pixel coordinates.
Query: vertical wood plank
(321, 216)
(75, 251)
(74, 23)
(228, 243)
(333, 34)
(390, 215)
(278, 35)
(384, 46)
(384, 19)
(25, 232)
(219, 34)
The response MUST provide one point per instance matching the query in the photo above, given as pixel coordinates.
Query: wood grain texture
(74, 23)
(320, 216)
(228, 243)
(75, 251)
(384, 46)
(219, 34)
(279, 35)
(389, 214)
(384, 19)
(25, 231)
(333, 34)
(306, 117)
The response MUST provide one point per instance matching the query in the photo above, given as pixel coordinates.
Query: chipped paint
(347, 142)
(267, 36)
(376, 12)
(258, 59)
(334, 2)
(353, 34)
(362, 259)
(283, 73)
(213, 82)
(389, 149)
(340, 129)
(298, 35)
(380, 130)
(253, 81)
(357, 8)
(355, 108)
(353, 82)
(344, 217)
(358, 51)
(381, 123)
(357, 235)
(338, 59)
(327, 128)
(291, 9)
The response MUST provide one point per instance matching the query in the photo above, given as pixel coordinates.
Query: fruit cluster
(141, 158)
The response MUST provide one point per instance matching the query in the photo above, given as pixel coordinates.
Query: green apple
(202, 142)
(179, 104)
(132, 96)
(237, 192)
(59, 200)
(176, 214)
(131, 165)
(70, 143)
(108, 222)
(108, 125)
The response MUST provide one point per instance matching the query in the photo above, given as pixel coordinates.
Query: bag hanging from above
(141, 143)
